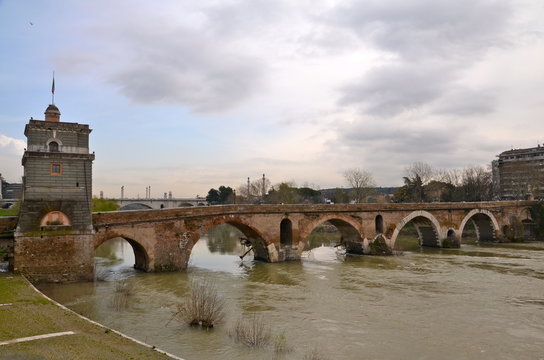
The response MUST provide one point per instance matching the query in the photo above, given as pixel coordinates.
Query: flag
(53, 86)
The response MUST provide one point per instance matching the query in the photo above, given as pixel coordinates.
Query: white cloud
(11, 152)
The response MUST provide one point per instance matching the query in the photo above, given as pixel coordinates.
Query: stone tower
(54, 236)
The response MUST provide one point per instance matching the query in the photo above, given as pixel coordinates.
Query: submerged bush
(204, 307)
(314, 354)
(251, 331)
(124, 290)
(281, 346)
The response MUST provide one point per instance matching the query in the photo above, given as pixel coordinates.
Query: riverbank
(34, 327)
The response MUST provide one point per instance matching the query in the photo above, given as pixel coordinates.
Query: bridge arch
(135, 206)
(484, 222)
(141, 254)
(349, 229)
(263, 249)
(428, 228)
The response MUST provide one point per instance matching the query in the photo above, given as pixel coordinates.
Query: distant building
(10, 190)
(519, 174)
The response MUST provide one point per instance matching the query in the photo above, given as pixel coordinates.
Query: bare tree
(418, 175)
(361, 182)
(450, 176)
(424, 171)
(254, 191)
(477, 184)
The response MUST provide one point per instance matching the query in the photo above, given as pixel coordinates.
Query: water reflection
(114, 259)
(224, 239)
(220, 250)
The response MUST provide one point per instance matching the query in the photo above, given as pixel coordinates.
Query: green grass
(12, 289)
(101, 205)
(32, 314)
(9, 212)
(13, 211)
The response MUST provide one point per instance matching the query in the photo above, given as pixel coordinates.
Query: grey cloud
(433, 42)
(386, 147)
(466, 102)
(398, 140)
(246, 17)
(171, 64)
(199, 89)
(426, 27)
(392, 89)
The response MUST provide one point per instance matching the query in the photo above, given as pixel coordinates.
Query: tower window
(53, 146)
(56, 169)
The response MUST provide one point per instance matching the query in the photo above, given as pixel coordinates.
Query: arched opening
(226, 247)
(451, 240)
(119, 257)
(414, 232)
(53, 146)
(528, 229)
(185, 205)
(55, 218)
(331, 239)
(286, 232)
(478, 227)
(379, 224)
(469, 233)
(506, 231)
(136, 206)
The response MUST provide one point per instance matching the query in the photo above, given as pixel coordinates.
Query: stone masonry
(163, 239)
(53, 239)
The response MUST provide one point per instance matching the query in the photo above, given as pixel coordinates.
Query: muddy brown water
(476, 302)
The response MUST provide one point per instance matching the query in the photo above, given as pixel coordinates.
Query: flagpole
(53, 90)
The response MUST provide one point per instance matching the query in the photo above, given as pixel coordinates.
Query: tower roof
(52, 113)
(52, 109)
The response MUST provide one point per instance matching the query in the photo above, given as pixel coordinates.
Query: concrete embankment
(34, 327)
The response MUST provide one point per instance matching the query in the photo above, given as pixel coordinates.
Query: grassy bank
(25, 312)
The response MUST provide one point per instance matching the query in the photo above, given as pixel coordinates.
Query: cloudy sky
(183, 96)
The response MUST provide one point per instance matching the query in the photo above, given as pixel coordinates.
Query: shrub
(123, 292)
(204, 307)
(314, 354)
(281, 346)
(251, 331)
(100, 205)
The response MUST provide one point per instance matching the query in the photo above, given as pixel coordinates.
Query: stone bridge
(163, 239)
(159, 203)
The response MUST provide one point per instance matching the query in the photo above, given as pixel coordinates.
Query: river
(476, 302)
